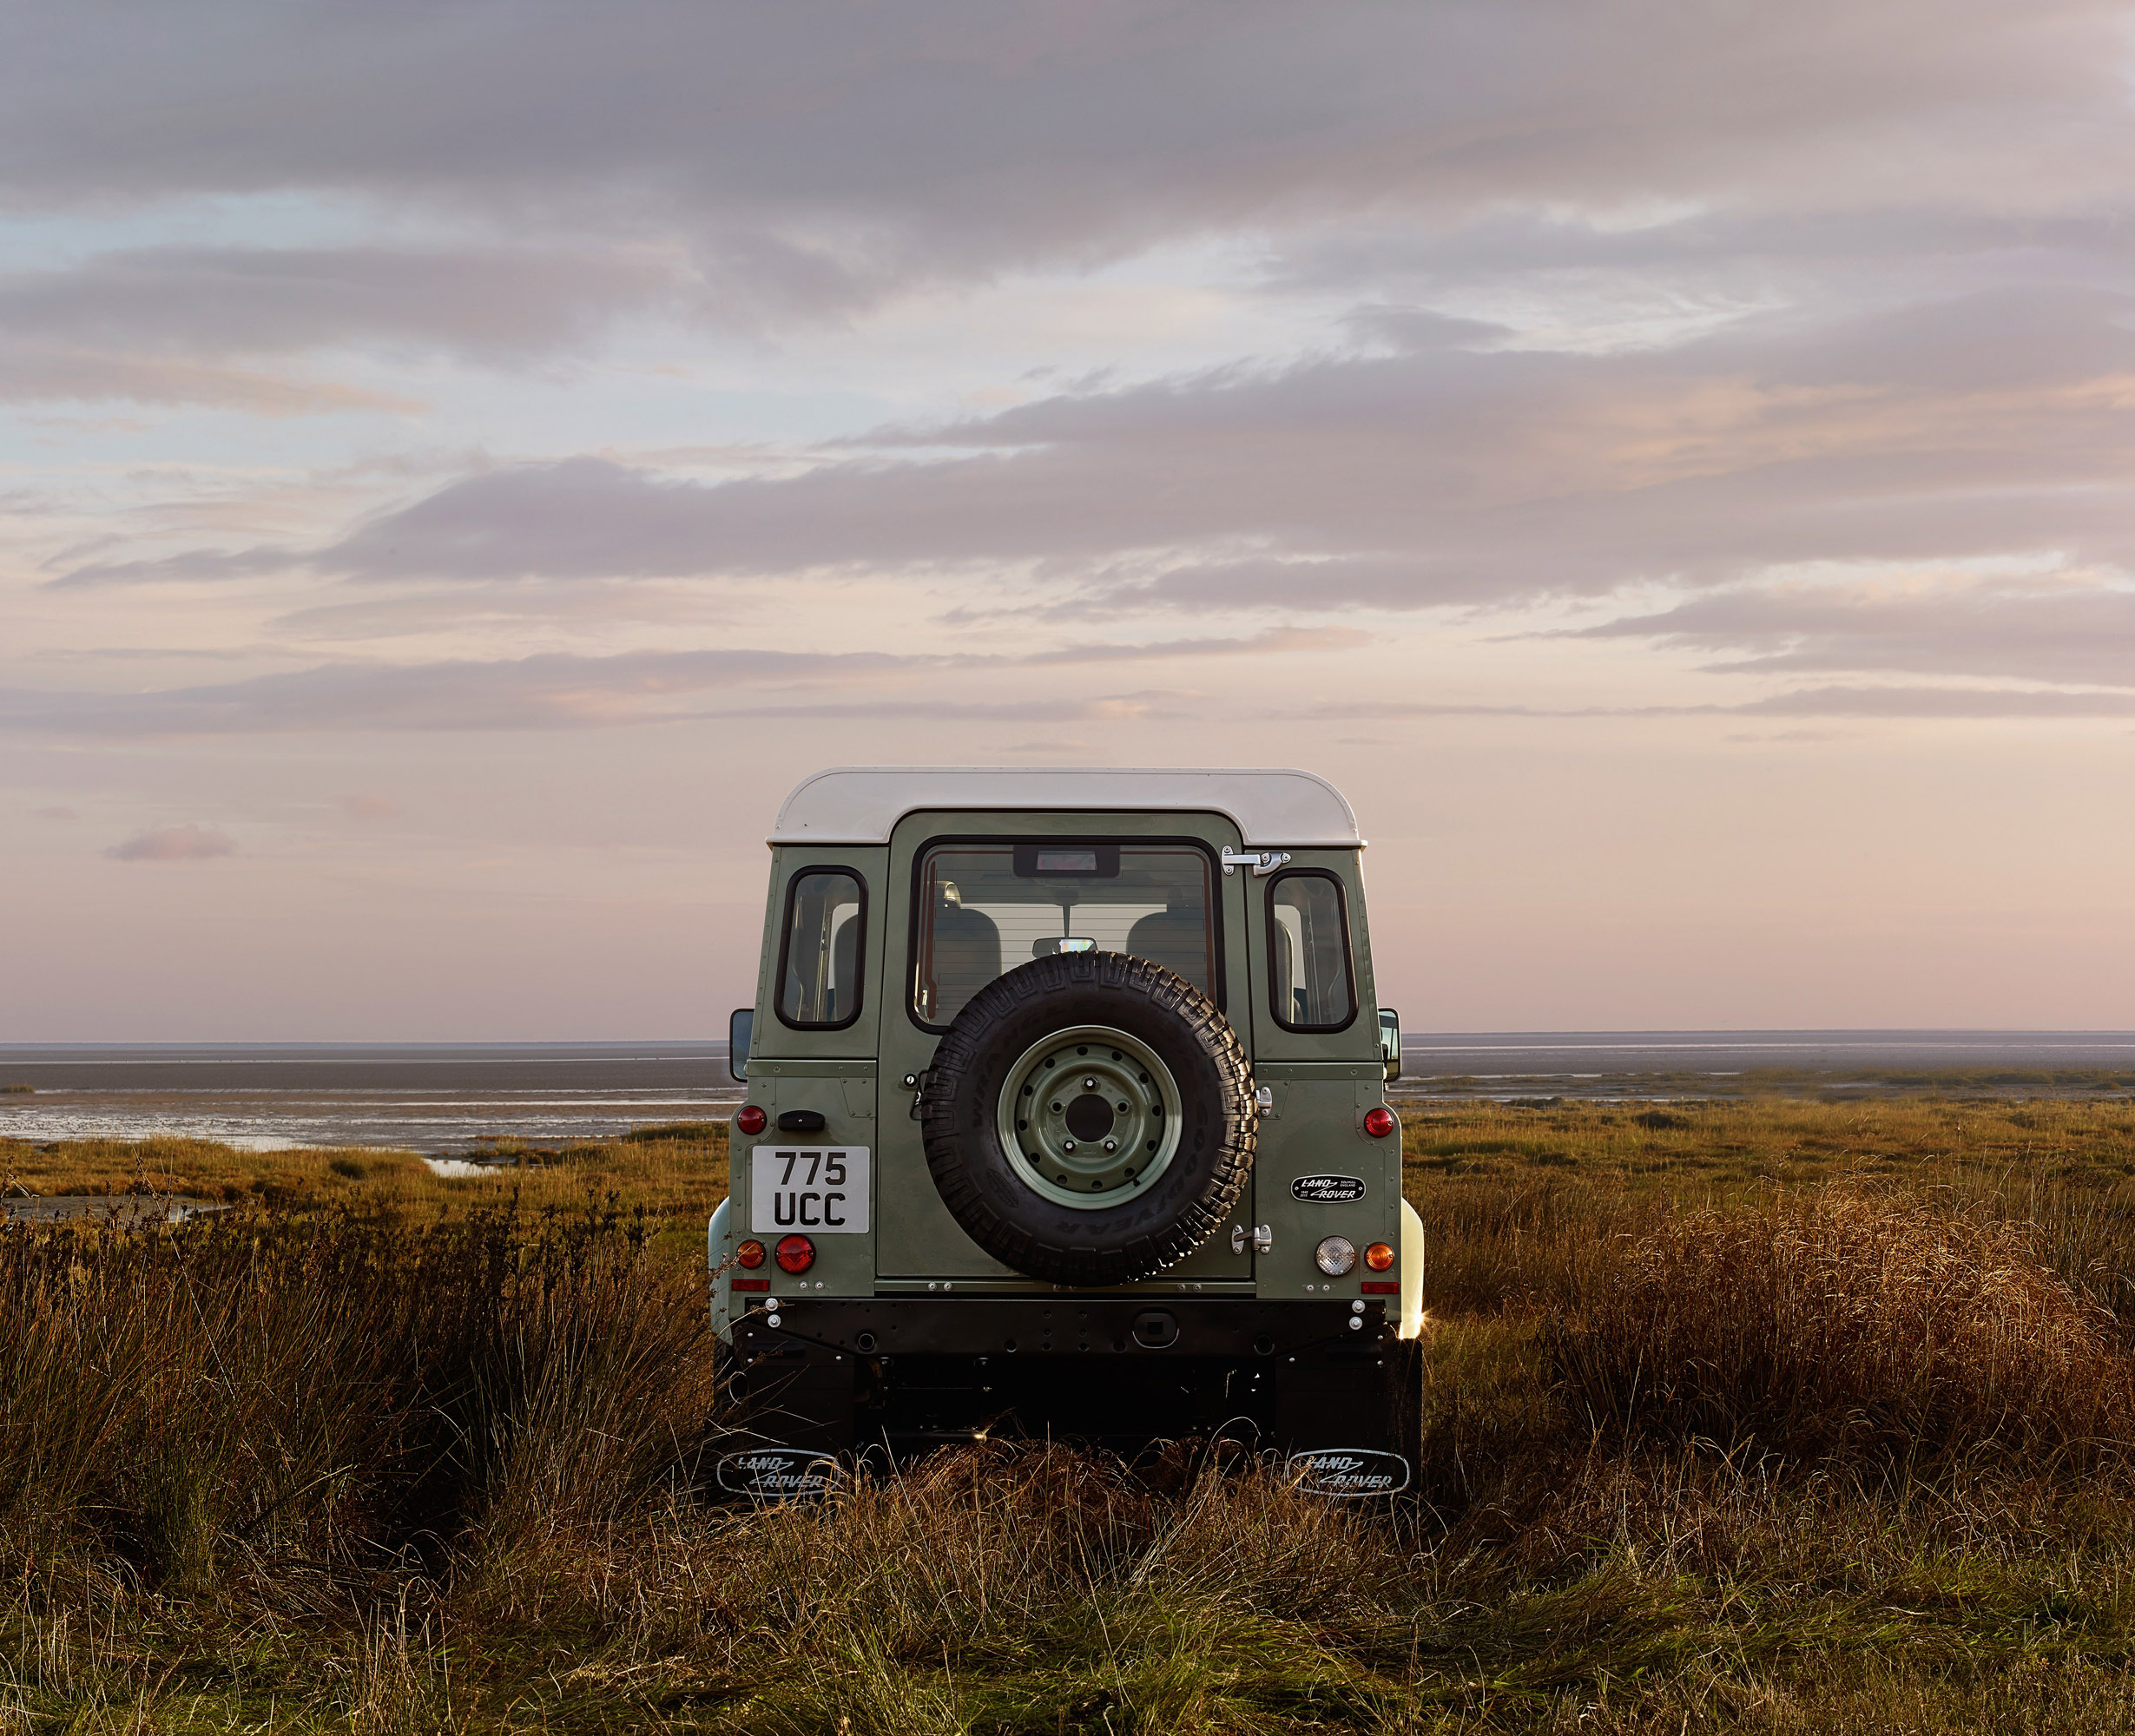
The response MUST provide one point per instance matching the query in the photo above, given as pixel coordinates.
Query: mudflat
(128, 1211)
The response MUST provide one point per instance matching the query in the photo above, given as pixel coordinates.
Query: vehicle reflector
(749, 1254)
(1335, 1256)
(750, 1284)
(1379, 1123)
(1373, 1287)
(750, 1119)
(796, 1253)
(1379, 1256)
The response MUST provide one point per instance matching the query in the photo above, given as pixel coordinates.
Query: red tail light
(749, 1254)
(1379, 1123)
(750, 1119)
(796, 1253)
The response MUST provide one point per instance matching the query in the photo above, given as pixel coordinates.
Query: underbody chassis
(893, 1377)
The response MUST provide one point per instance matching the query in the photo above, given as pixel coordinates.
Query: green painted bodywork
(1322, 1084)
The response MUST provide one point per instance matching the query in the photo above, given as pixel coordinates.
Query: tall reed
(1836, 1320)
(314, 1386)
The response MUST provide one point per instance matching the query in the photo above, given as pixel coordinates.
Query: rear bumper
(1066, 1325)
(902, 1374)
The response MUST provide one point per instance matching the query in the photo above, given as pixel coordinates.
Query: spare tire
(1088, 1119)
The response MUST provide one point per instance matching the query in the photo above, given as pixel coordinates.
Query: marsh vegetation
(1765, 1414)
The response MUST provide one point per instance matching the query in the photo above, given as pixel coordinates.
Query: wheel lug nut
(1067, 1145)
(1111, 1145)
(1090, 1084)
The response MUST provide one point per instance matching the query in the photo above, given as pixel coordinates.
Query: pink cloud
(173, 843)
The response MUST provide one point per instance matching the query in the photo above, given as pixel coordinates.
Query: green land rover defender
(1067, 1115)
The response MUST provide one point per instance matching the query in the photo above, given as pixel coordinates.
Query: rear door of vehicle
(917, 1243)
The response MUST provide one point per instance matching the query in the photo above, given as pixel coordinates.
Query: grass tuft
(1837, 1321)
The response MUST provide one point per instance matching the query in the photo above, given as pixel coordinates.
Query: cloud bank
(1990, 427)
(173, 843)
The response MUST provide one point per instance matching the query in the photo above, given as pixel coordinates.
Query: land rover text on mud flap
(1065, 1115)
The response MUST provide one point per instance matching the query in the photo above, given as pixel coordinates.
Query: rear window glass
(985, 908)
(1308, 953)
(820, 956)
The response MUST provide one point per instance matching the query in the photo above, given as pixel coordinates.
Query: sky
(1669, 466)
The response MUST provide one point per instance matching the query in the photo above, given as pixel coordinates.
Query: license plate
(821, 1190)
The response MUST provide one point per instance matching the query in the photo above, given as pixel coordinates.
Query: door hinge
(1264, 1237)
(1260, 861)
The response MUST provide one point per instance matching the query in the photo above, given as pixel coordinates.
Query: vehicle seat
(967, 957)
(844, 969)
(1176, 939)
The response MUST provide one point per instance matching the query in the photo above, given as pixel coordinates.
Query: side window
(1312, 987)
(820, 953)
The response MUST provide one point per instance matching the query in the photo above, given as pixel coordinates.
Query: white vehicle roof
(860, 804)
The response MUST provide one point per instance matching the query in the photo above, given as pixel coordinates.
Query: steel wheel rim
(1044, 1116)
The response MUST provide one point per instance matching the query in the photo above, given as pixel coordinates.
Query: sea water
(424, 1097)
(439, 1098)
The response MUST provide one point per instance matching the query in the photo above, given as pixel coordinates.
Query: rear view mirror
(739, 1027)
(1390, 1041)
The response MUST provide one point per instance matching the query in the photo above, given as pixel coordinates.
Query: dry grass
(1769, 1417)
(1837, 1321)
(673, 1175)
(1729, 1146)
(679, 1168)
(1509, 1196)
(178, 1409)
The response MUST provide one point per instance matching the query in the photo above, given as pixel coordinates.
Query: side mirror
(740, 1024)
(1390, 1041)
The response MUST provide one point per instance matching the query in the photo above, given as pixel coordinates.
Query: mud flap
(788, 1392)
(1349, 1421)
